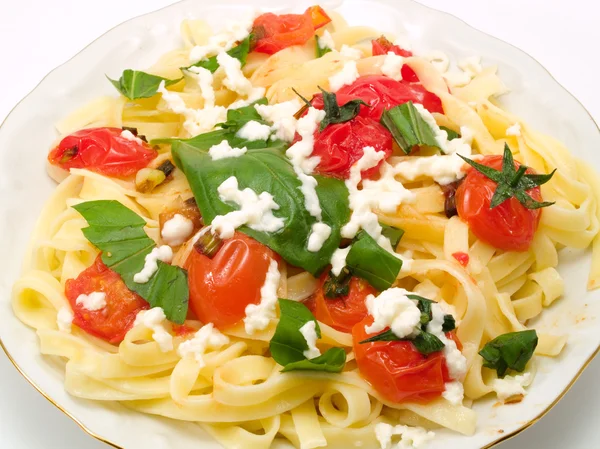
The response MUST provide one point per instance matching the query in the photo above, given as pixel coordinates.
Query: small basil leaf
(510, 351)
(408, 128)
(449, 323)
(237, 118)
(239, 52)
(451, 133)
(332, 361)
(424, 306)
(427, 343)
(320, 50)
(392, 234)
(334, 113)
(387, 335)
(135, 84)
(336, 286)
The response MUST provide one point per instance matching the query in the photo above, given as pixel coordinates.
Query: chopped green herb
(451, 133)
(239, 52)
(408, 128)
(393, 234)
(510, 351)
(334, 113)
(320, 50)
(134, 84)
(336, 286)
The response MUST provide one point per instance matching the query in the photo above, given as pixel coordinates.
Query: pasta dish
(297, 229)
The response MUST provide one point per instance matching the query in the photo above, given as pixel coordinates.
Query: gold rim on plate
(488, 446)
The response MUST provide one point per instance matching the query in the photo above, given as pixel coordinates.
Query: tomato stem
(518, 175)
(208, 244)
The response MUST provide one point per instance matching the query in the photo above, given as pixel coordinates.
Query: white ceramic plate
(28, 131)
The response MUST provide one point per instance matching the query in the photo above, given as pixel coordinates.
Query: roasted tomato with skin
(273, 32)
(104, 151)
(382, 46)
(509, 226)
(397, 370)
(112, 322)
(343, 312)
(222, 287)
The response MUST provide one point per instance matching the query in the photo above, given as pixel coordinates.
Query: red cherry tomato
(102, 150)
(342, 144)
(461, 258)
(382, 46)
(274, 33)
(397, 370)
(509, 226)
(381, 92)
(222, 287)
(112, 322)
(344, 312)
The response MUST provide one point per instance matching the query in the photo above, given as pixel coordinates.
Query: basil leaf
(392, 234)
(266, 170)
(408, 128)
(288, 344)
(332, 361)
(371, 262)
(449, 323)
(424, 306)
(237, 118)
(510, 351)
(336, 286)
(320, 51)
(335, 113)
(427, 343)
(451, 133)
(118, 232)
(134, 84)
(387, 335)
(239, 52)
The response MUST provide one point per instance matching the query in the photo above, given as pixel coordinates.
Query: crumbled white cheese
(154, 319)
(309, 332)
(455, 361)
(163, 253)
(471, 65)
(256, 211)
(254, 130)
(281, 116)
(351, 53)
(511, 386)
(338, 260)
(454, 392)
(224, 40)
(326, 41)
(514, 130)
(320, 232)
(94, 301)
(205, 79)
(177, 230)
(126, 134)
(347, 75)
(224, 150)
(392, 66)
(439, 60)
(258, 316)
(234, 77)
(393, 309)
(411, 437)
(64, 319)
(205, 339)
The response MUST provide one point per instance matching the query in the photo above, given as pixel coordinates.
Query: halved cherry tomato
(397, 370)
(382, 46)
(344, 312)
(461, 258)
(103, 151)
(222, 287)
(509, 226)
(112, 322)
(381, 92)
(273, 32)
(340, 145)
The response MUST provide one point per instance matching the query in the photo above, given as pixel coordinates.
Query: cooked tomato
(273, 32)
(381, 92)
(112, 322)
(222, 287)
(382, 46)
(397, 370)
(344, 312)
(102, 150)
(340, 145)
(509, 226)
(461, 258)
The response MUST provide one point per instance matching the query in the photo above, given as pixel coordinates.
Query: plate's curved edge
(425, 7)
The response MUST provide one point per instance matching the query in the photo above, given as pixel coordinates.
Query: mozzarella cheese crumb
(454, 392)
(455, 361)
(256, 211)
(163, 253)
(309, 332)
(347, 75)
(351, 53)
(224, 150)
(205, 79)
(94, 301)
(258, 316)
(326, 41)
(320, 232)
(154, 319)
(234, 77)
(177, 230)
(126, 134)
(514, 130)
(207, 338)
(393, 309)
(64, 319)
(281, 116)
(411, 437)
(392, 66)
(254, 130)
(224, 40)
(338, 260)
(511, 386)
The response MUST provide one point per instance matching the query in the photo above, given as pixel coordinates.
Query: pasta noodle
(238, 392)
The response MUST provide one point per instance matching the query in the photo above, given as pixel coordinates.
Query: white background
(38, 35)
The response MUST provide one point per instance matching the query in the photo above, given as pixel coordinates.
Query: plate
(24, 188)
